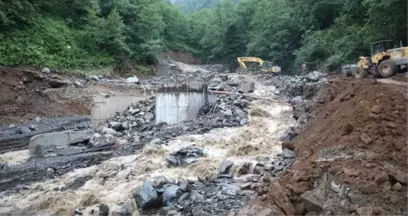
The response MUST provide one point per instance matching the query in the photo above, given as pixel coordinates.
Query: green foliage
(98, 33)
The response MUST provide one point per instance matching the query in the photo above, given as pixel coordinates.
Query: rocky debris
(185, 156)
(44, 145)
(217, 197)
(93, 78)
(101, 140)
(103, 210)
(137, 124)
(315, 76)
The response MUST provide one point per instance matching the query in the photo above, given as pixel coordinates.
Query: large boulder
(314, 76)
(43, 145)
(147, 197)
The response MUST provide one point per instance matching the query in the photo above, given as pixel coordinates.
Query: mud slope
(22, 98)
(352, 158)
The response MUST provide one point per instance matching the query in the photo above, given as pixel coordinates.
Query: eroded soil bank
(350, 159)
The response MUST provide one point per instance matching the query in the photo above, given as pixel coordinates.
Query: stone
(117, 126)
(133, 79)
(376, 109)
(46, 70)
(125, 125)
(149, 117)
(33, 127)
(314, 76)
(365, 211)
(314, 200)
(369, 188)
(309, 90)
(103, 210)
(185, 186)
(99, 140)
(288, 145)
(23, 130)
(397, 187)
(381, 178)
(44, 144)
(147, 197)
(127, 208)
(398, 175)
(196, 197)
(286, 153)
(170, 195)
(365, 138)
(225, 166)
(155, 141)
(278, 195)
(93, 78)
(110, 131)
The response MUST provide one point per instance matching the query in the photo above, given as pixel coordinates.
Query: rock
(278, 195)
(149, 117)
(133, 79)
(33, 127)
(43, 145)
(46, 70)
(347, 130)
(196, 197)
(365, 138)
(296, 100)
(147, 197)
(376, 109)
(369, 188)
(398, 175)
(103, 210)
(185, 156)
(185, 186)
(93, 78)
(314, 200)
(288, 145)
(397, 187)
(314, 76)
(286, 153)
(225, 166)
(168, 211)
(382, 178)
(98, 140)
(365, 211)
(23, 130)
(125, 125)
(309, 90)
(110, 131)
(155, 141)
(170, 195)
(117, 126)
(127, 208)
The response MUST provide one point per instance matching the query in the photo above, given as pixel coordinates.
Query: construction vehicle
(263, 66)
(385, 61)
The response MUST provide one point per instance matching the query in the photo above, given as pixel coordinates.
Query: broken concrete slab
(44, 144)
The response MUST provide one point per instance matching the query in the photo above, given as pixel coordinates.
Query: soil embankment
(351, 158)
(24, 96)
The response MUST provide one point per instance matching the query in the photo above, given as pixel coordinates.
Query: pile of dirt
(351, 158)
(23, 97)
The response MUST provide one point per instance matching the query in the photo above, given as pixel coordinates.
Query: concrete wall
(175, 107)
(106, 107)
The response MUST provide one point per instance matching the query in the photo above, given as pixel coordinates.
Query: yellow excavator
(385, 60)
(265, 66)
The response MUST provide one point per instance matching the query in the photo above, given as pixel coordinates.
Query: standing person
(304, 68)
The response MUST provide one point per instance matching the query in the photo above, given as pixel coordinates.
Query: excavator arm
(242, 60)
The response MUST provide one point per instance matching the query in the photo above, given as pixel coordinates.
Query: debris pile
(351, 158)
(136, 125)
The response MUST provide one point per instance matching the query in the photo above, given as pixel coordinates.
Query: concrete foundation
(176, 107)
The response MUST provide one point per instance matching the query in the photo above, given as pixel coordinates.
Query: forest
(127, 34)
